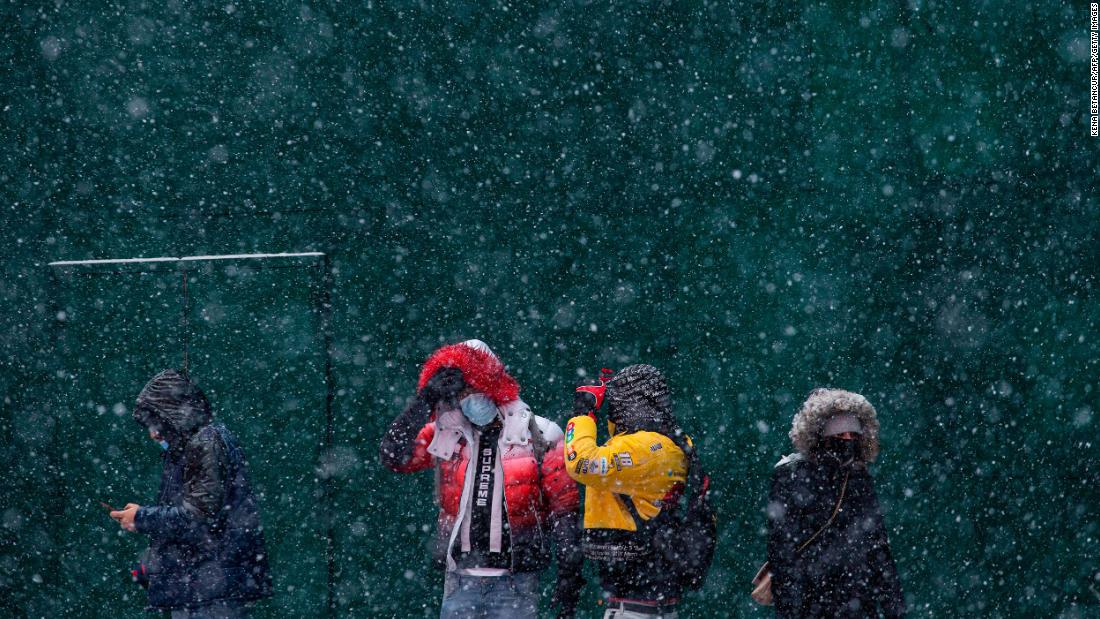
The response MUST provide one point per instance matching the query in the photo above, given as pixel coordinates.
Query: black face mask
(841, 450)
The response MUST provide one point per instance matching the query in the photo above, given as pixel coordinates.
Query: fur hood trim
(481, 369)
(823, 404)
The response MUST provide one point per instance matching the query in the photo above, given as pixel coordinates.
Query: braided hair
(638, 399)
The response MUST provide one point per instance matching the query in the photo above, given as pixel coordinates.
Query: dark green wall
(894, 197)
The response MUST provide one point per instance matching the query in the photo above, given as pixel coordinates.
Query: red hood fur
(481, 370)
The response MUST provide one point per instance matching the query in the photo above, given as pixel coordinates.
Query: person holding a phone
(206, 556)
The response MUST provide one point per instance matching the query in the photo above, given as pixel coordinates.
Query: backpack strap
(538, 443)
(628, 501)
(694, 477)
(437, 492)
(539, 447)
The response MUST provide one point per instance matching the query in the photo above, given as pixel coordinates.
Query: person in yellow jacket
(629, 480)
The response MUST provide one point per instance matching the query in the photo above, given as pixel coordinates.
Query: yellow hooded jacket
(642, 465)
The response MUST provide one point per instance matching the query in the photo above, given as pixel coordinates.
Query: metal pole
(185, 323)
(330, 396)
(55, 367)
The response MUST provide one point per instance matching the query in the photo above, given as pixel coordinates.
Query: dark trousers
(230, 609)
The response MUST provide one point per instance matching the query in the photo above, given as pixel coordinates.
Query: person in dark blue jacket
(206, 555)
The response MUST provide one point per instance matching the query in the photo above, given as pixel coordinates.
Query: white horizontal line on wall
(66, 263)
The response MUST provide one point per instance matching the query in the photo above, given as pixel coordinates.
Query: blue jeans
(490, 597)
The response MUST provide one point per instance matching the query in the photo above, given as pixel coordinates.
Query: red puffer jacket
(532, 496)
(541, 502)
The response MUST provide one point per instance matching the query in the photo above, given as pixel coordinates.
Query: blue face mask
(478, 408)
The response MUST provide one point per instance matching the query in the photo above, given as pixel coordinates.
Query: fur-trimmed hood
(481, 369)
(823, 404)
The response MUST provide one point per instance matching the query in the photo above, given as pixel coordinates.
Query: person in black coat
(206, 555)
(846, 569)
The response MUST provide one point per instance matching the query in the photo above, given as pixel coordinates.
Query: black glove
(567, 592)
(584, 403)
(443, 385)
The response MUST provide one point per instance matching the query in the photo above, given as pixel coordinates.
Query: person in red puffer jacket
(502, 488)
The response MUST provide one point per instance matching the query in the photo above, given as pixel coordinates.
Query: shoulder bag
(762, 582)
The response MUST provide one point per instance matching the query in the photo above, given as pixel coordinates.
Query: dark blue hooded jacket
(206, 540)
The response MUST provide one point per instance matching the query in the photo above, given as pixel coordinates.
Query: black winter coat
(848, 571)
(205, 538)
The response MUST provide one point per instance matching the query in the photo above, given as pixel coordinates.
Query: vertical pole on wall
(185, 322)
(55, 502)
(330, 395)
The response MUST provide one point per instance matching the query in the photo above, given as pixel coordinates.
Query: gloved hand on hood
(444, 385)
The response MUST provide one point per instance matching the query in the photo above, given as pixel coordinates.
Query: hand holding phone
(125, 516)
